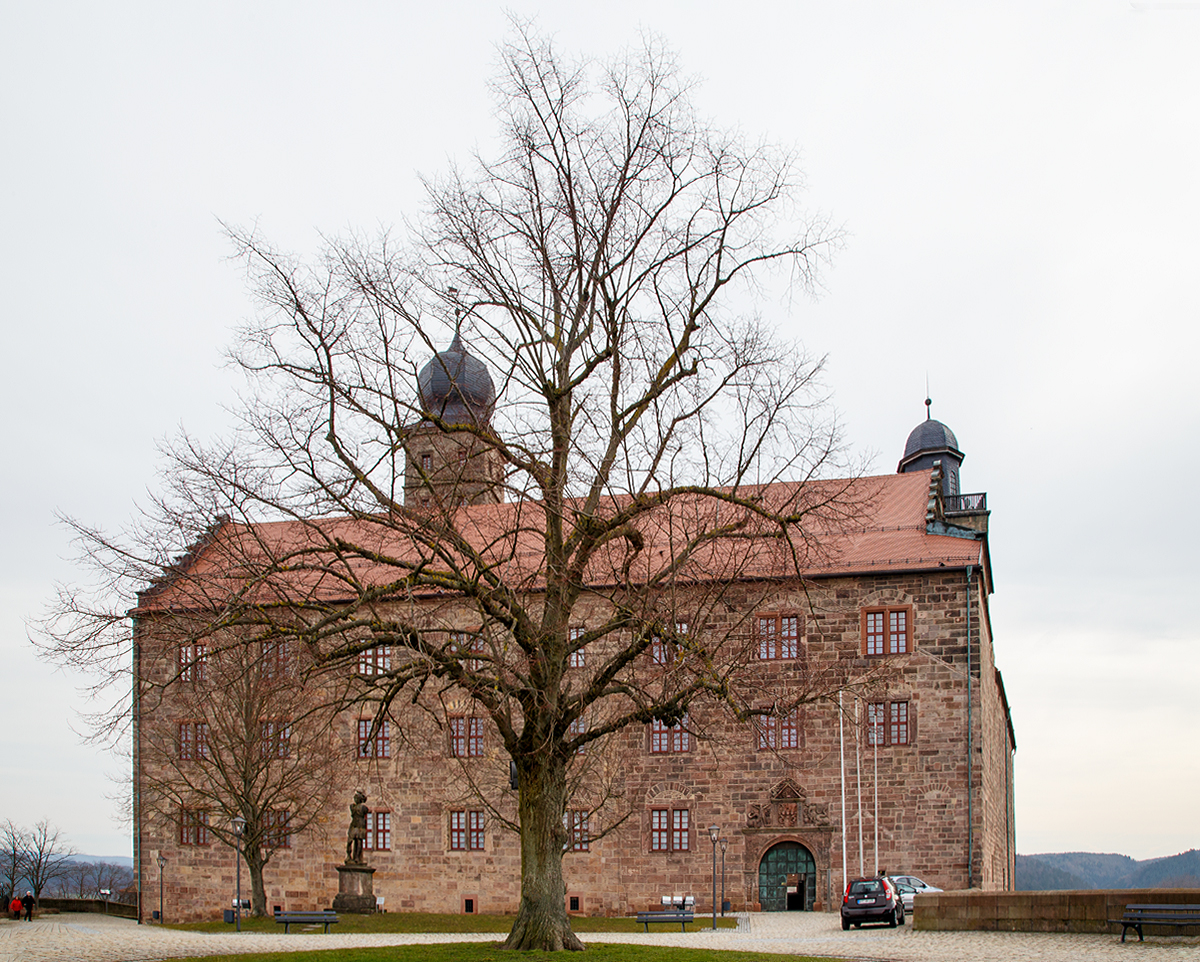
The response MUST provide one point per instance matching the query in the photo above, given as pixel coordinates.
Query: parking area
(96, 938)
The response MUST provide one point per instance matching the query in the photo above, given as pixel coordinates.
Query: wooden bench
(1138, 915)
(672, 915)
(325, 918)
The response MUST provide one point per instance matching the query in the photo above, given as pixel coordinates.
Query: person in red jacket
(15, 907)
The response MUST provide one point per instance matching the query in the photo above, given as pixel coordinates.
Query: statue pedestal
(356, 892)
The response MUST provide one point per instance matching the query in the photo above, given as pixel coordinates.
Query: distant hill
(124, 860)
(1036, 875)
(1095, 870)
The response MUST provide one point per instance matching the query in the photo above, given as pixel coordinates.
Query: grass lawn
(476, 952)
(431, 922)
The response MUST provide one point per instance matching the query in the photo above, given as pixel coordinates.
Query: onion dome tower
(932, 441)
(456, 387)
(448, 462)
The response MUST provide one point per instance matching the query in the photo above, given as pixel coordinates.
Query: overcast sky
(1019, 183)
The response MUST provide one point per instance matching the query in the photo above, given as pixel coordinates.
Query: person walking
(28, 903)
(15, 907)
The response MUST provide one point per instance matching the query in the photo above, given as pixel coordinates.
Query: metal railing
(965, 503)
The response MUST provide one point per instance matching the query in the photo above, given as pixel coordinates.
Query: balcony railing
(965, 503)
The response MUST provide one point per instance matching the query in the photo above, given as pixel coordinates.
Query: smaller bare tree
(46, 856)
(13, 844)
(238, 734)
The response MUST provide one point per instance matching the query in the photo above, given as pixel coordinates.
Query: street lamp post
(239, 826)
(161, 865)
(714, 832)
(724, 845)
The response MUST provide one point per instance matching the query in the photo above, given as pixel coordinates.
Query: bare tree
(47, 856)
(587, 561)
(13, 846)
(233, 733)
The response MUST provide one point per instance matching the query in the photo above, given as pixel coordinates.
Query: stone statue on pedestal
(356, 837)
(356, 891)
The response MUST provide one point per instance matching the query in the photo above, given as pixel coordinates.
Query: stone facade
(942, 815)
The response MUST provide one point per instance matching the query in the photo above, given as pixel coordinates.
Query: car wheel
(845, 925)
(892, 921)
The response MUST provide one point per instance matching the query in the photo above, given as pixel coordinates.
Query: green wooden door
(782, 860)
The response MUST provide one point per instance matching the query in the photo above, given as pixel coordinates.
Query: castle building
(914, 779)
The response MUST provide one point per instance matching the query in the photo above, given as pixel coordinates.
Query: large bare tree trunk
(258, 891)
(542, 921)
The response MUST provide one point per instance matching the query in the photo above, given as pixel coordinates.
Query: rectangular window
(192, 662)
(466, 831)
(276, 831)
(576, 728)
(193, 827)
(575, 657)
(887, 631)
(576, 824)
(276, 738)
(375, 661)
(664, 651)
(475, 831)
(193, 740)
(379, 831)
(679, 830)
(378, 747)
(887, 723)
(275, 658)
(426, 463)
(778, 637)
(778, 732)
(466, 736)
(468, 643)
(669, 740)
(670, 830)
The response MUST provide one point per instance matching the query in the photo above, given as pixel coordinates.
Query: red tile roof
(868, 525)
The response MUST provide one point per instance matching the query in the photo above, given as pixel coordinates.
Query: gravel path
(99, 938)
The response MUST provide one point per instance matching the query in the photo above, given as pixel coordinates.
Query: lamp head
(239, 825)
(714, 832)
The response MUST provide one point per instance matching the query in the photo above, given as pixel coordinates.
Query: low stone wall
(121, 909)
(1074, 911)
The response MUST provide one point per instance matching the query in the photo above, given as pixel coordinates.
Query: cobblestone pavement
(98, 938)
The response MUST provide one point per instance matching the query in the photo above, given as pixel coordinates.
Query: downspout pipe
(970, 745)
(136, 696)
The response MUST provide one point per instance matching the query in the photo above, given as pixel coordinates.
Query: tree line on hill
(1094, 870)
(40, 861)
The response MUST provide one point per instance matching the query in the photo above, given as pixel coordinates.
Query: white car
(915, 882)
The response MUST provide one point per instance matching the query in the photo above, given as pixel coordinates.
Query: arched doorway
(787, 878)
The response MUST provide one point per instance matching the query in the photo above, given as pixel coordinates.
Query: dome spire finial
(928, 411)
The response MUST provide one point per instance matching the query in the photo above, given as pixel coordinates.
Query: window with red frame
(426, 463)
(379, 746)
(193, 827)
(887, 631)
(778, 637)
(576, 824)
(669, 739)
(375, 661)
(466, 736)
(888, 723)
(192, 662)
(276, 658)
(276, 828)
(575, 657)
(466, 831)
(779, 731)
(670, 830)
(576, 728)
(664, 651)
(468, 643)
(276, 738)
(193, 740)
(379, 832)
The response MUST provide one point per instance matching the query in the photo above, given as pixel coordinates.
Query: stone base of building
(356, 892)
